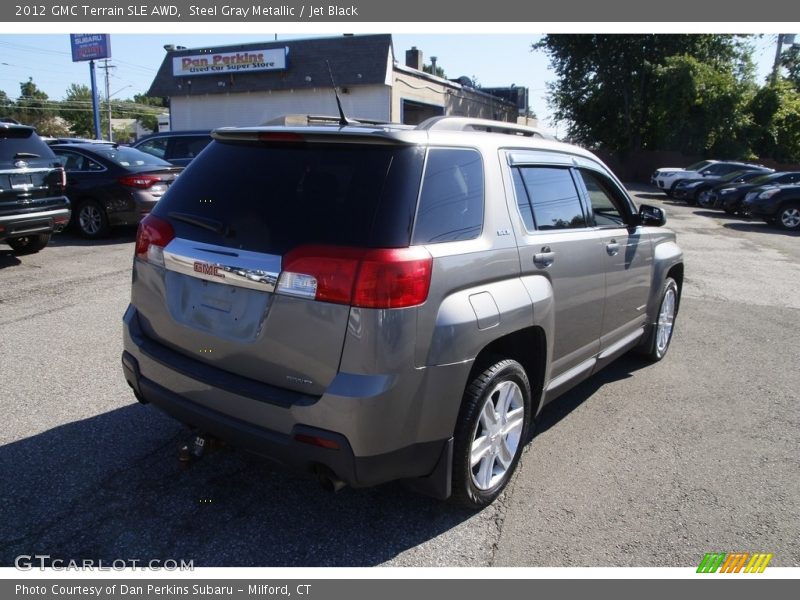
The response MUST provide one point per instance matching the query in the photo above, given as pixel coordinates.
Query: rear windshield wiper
(202, 222)
(26, 155)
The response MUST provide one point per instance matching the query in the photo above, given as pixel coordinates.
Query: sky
(493, 59)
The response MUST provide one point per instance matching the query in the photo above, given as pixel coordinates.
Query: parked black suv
(32, 200)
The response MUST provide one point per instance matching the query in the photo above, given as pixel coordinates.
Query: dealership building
(251, 84)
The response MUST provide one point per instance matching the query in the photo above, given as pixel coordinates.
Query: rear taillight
(141, 182)
(151, 238)
(367, 278)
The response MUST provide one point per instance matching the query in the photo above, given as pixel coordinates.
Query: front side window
(605, 209)
(553, 197)
(156, 147)
(451, 200)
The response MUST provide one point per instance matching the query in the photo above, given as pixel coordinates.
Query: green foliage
(610, 85)
(76, 109)
(429, 70)
(699, 108)
(790, 60)
(150, 120)
(33, 107)
(775, 111)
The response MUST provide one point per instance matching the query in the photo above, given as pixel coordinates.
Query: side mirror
(651, 216)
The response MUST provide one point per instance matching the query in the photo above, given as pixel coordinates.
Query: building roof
(354, 60)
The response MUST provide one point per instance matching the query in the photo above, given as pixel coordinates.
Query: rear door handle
(612, 248)
(544, 258)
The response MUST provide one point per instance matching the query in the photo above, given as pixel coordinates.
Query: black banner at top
(392, 11)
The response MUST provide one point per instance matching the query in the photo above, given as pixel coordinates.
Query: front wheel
(28, 244)
(491, 430)
(657, 344)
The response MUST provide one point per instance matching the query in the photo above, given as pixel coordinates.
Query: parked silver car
(382, 302)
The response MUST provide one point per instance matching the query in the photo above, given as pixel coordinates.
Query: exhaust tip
(328, 479)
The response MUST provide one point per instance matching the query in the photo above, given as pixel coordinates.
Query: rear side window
(274, 197)
(553, 197)
(73, 161)
(130, 157)
(451, 200)
(188, 146)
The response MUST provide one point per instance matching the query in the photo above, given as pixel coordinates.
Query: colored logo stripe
(734, 563)
(711, 562)
(758, 563)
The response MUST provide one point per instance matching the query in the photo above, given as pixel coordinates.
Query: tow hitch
(199, 446)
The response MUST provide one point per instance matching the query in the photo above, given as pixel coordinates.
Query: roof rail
(473, 124)
(299, 120)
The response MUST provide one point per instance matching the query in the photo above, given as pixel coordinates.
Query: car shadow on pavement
(622, 368)
(718, 214)
(118, 235)
(649, 196)
(110, 487)
(8, 259)
(760, 227)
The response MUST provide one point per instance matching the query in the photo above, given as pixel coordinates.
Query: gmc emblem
(207, 269)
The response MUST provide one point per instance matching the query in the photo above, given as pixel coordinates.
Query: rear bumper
(183, 395)
(20, 225)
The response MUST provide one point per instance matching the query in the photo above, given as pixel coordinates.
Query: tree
(147, 119)
(35, 108)
(77, 110)
(606, 85)
(775, 111)
(429, 70)
(790, 60)
(6, 105)
(699, 108)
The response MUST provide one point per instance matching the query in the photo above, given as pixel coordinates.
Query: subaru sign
(90, 46)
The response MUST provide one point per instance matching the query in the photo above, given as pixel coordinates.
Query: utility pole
(106, 67)
(783, 38)
(95, 108)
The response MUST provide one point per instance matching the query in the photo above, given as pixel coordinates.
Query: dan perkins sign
(217, 63)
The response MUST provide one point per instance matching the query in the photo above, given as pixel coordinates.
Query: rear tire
(91, 220)
(492, 428)
(30, 244)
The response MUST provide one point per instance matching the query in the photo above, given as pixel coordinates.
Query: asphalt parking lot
(643, 465)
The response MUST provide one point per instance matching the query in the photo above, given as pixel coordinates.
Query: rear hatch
(31, 178)
(209, 257)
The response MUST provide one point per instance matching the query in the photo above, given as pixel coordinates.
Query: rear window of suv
(21, 143)
(273, 197)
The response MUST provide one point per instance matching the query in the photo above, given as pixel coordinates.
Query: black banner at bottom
(392, 589)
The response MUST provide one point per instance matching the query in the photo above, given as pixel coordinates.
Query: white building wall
(254, 108)
(410, 87)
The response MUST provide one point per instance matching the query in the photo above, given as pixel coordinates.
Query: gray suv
(383, 302)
